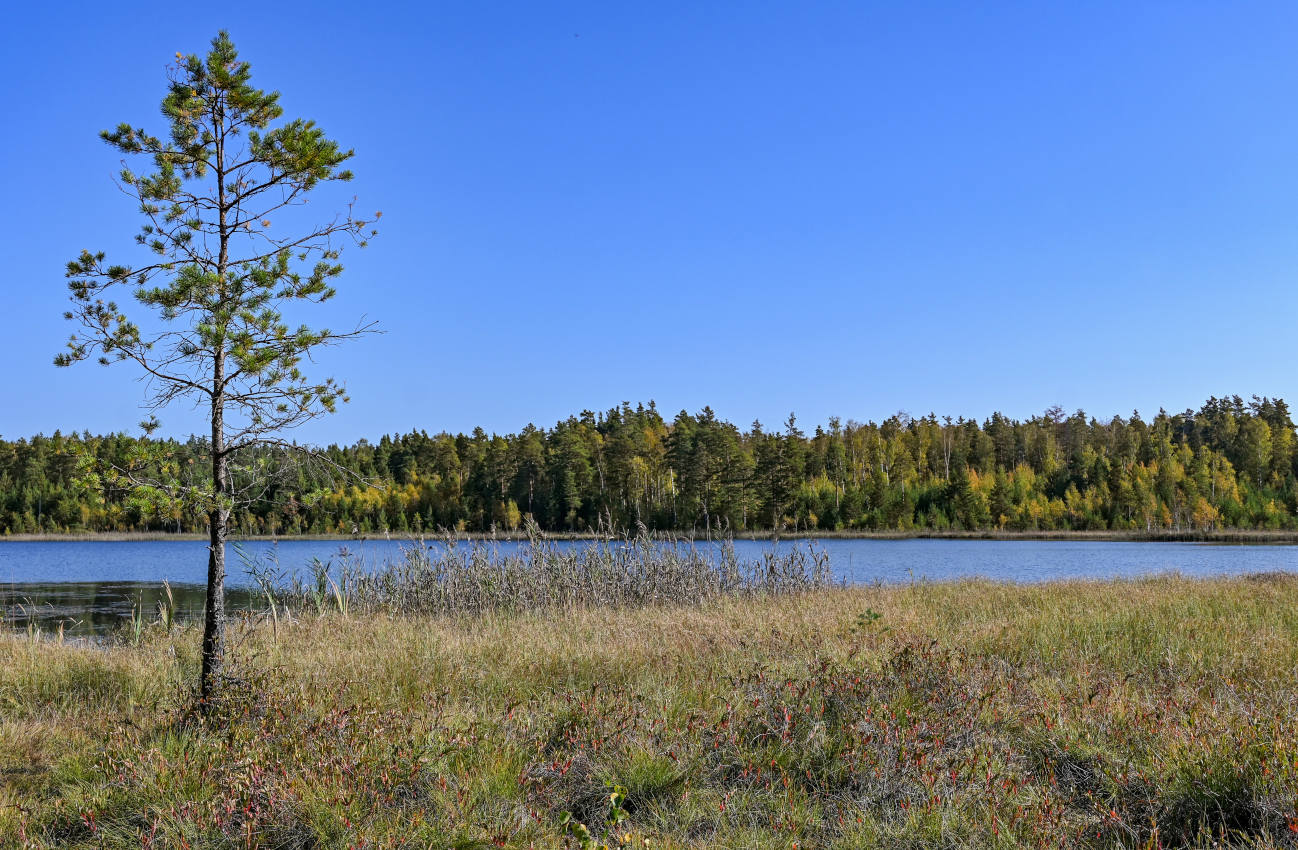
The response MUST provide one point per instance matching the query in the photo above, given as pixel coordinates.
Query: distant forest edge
(1231, 464)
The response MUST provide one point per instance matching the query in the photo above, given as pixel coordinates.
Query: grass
(474, 578)
(1159, 712)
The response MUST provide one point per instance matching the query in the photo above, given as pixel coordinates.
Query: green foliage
(616, 817)
(212, 281)
(866, 622)
(1229, 465)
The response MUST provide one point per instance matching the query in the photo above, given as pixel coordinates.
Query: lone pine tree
(209, 324)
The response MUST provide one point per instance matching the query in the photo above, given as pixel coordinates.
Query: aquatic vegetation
(455, 577)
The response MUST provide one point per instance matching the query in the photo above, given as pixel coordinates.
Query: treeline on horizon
(1231, 464)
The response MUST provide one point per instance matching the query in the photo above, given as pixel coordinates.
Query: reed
(449, 576)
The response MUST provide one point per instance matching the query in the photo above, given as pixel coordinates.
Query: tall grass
(451, 577)
(1144, 714)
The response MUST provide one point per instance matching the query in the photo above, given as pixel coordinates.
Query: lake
(91, 586)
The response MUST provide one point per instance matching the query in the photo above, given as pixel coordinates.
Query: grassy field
(1159, 712)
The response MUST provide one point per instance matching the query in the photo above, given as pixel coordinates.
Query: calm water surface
(92, 585)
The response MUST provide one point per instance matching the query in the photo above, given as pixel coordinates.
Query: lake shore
(1152, 712)
(1230, 535)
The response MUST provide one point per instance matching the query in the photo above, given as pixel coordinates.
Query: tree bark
(218, 520)
(214, 609)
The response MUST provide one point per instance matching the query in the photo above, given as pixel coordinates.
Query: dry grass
(1160, 712)
(454, 577)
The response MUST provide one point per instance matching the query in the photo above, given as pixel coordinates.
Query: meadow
(1159, 712)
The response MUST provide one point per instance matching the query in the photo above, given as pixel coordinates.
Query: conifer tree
(207, 326)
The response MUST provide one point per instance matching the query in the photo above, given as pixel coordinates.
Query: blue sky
(832, 208)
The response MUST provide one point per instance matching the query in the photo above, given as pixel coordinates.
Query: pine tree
(216, 287)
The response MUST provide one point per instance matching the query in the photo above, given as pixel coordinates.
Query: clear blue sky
(837, 209)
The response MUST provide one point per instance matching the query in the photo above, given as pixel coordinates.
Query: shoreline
(1239, 536)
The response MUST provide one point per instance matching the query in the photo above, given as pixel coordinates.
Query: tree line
(1231, 464)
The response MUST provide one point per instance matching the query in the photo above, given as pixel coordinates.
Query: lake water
(91, 586)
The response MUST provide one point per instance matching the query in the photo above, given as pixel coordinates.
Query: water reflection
(99, 608)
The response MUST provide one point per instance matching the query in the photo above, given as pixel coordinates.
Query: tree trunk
(214, 609)
(219, 515)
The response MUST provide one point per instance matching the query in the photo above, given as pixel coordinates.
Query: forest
(1231, 464)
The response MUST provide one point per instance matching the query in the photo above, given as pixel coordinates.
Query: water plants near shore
(1148, 713)
(472, 578)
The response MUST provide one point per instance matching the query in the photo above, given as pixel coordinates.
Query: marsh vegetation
(1157, 712)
